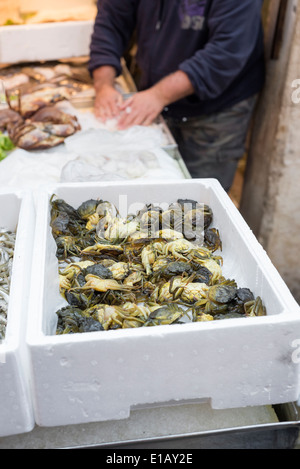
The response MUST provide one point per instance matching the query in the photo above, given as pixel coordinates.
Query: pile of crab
(34, 123)
(155, 267)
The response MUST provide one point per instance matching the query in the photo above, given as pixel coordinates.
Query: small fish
(7, 245)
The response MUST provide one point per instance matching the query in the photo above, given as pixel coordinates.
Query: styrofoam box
(16, 412)
(100, 376)
(48, 41)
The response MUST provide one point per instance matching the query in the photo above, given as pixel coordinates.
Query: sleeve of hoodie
(114, 25)
(233, 30)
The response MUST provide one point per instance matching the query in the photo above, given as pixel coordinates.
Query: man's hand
(140, 109)
(144, 107)
(107, 103)
(108, 100)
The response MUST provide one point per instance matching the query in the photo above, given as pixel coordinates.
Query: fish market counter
(54, 134)
(228, 383)
(189, 426)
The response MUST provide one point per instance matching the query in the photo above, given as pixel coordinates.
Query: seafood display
(47, 128)
(40, 125)
(28, 104)
(25, 81)
(154, 267)
(7, 245)
(31, 120)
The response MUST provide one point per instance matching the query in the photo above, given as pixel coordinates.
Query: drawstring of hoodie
(160, 15)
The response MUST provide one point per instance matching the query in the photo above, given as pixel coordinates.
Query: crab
(129, 315)
(103, 285)
(99, 249)
(255, 308)
(181, 288)
(55, 116)
(148, 257)
(32, 122)
(29, 103)
(217, 297)
(46, 129)
(120, 270)
(165, 315)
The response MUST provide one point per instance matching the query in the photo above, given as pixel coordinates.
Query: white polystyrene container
(100, 376)
(47, 41)
(16, 412)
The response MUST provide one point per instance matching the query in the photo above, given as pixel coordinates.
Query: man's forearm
(104, 75)
(173, 87)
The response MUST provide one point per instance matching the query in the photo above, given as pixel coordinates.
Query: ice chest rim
(36, 339)
(13, 348)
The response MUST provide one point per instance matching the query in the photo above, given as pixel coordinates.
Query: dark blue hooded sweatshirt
(217, 43)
